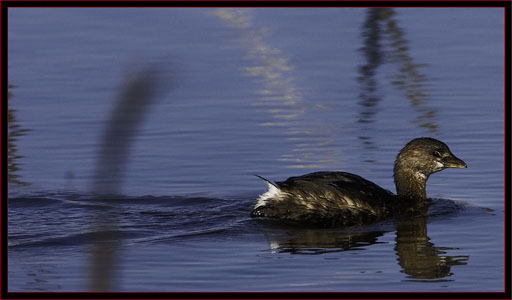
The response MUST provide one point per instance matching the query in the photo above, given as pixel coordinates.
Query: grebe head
(416, 161)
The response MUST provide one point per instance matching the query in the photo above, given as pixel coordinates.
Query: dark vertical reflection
(417, 256)
(15, 132)
(120, 130)
(384, 42)
(372, 51)
(409, 78)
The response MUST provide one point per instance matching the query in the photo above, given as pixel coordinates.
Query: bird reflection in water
(416, 255)
(312, 242)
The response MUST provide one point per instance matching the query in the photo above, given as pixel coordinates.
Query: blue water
(228, 93)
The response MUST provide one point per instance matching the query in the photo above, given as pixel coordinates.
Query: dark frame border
(248, 295)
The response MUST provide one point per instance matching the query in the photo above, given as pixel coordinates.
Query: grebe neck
(410, 184)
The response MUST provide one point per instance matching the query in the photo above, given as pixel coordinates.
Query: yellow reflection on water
(278, 95)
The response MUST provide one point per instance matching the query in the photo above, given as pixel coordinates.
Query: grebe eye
(437, 154)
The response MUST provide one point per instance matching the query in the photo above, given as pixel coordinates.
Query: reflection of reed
(15, 132)
(121, 128)
(278, 95)
(120, 131)
(373, 53)
(380, 27)
(409, 79)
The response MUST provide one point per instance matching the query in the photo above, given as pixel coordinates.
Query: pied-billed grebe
(346, 199)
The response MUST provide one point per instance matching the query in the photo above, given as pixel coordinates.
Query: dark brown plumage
(340, 198)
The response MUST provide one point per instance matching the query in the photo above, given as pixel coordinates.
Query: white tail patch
(273, 193)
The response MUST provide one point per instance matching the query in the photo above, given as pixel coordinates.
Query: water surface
(222, 94)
